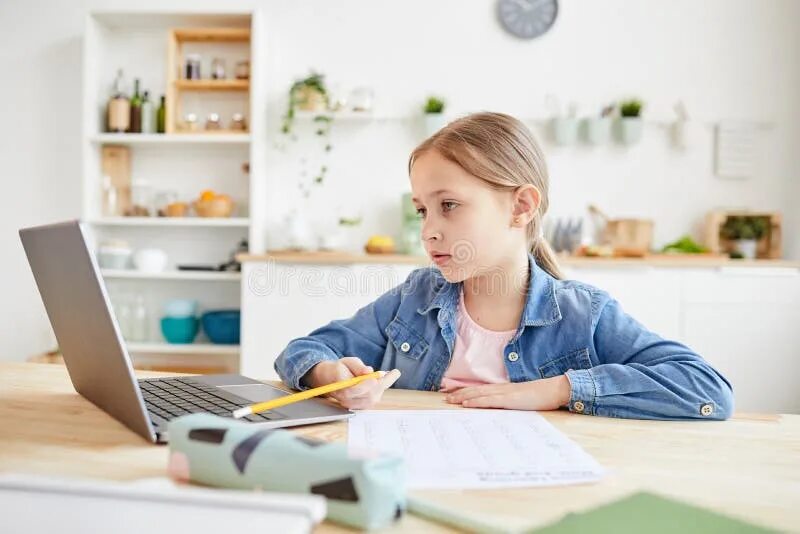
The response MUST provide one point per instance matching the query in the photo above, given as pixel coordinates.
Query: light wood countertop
(655, 260)
(747, 467)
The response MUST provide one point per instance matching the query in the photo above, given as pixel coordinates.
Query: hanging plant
(310, 94)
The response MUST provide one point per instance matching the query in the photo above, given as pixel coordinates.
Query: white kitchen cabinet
(746, 322)
(282, 301)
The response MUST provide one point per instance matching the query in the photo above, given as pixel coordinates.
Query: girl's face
(467, 226)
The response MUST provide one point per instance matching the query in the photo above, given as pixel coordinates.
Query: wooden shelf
(216, 137)
(211, 35)
(133, 274)
(235, 222)
(180, 348)
(212, 85)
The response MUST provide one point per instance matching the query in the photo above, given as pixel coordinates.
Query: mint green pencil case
(364, 492)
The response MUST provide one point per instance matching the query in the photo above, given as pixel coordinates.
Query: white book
(38, 504)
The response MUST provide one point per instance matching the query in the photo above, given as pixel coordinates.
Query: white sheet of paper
(473, 448)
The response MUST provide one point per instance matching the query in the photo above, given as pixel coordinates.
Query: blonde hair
(501, 151)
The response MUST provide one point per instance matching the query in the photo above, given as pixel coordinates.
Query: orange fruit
(207, 195)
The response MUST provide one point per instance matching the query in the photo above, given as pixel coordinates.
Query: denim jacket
(616, 366)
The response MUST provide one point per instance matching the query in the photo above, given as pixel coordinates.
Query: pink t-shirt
(478, 354)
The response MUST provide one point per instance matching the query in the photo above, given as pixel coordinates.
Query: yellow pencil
(303, 395)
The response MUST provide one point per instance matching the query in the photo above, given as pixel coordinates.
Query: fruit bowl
(221, 206)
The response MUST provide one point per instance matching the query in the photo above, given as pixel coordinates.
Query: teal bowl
(179, 329)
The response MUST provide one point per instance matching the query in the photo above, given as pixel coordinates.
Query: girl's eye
(421, 212)
(449, 206)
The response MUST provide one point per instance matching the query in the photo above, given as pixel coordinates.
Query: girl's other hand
(544, 394)
(358, 397)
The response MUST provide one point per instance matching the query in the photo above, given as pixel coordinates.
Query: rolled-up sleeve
(641, 375)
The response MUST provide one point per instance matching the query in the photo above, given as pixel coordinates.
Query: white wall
(735, 59)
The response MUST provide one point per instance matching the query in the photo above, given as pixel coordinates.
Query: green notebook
(646, 512)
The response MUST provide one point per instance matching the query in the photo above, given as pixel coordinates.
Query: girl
(494, 324)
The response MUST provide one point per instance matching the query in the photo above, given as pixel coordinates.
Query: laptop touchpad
(254, 392)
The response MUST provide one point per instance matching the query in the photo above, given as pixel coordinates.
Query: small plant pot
(629, 130)
(433, 123)
(746, 247)
(597, 131)
(564, 130)
(310, 99)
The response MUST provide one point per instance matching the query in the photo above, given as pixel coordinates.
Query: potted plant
(745, 231)
(629, 128)
(306, 94)
(434, 115)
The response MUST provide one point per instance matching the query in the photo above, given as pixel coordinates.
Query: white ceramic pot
(747, 248)
(434, 122)
(150, 260)
(565, 130)
(597, 130)
(629, 130)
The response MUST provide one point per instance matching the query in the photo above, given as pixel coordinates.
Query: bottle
(161, 116)
(118, 112)
(136, 109)
(139, 320)
(122, 310)
(148, 115)
(110, 198)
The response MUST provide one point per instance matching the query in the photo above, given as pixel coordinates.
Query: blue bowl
(222, 326)
(179, 329)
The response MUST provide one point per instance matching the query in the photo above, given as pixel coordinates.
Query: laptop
(98, 363)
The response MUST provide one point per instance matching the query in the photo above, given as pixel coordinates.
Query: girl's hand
(358, 397)
(544, 394)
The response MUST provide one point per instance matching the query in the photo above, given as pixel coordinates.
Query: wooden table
(748, 467)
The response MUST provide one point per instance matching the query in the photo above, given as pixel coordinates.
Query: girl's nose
(430, 234)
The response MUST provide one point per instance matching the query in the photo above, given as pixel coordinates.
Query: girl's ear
(525, 202)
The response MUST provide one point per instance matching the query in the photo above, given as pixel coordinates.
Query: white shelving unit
(186, 163)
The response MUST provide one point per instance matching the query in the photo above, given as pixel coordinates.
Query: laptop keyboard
(172, 397)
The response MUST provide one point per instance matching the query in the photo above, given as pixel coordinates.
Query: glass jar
(190, 123)
(242, 70)
(162, 200)
(361, 99)
(141, 199)
(238, 122)
(218, 68)
(110, 198)
(192, 67)
(213, 122)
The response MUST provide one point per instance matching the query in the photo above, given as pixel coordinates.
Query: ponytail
(546, 258)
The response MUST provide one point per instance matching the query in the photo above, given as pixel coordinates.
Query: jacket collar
(541, 306)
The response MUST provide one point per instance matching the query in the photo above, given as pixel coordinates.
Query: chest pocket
(407, 342)
(578, 359)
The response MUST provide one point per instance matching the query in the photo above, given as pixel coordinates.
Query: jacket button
(578, 406)
(707, 410)
(405, 347)
(513, 356)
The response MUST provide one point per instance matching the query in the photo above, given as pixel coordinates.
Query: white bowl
(150, 260)
(113, 258)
